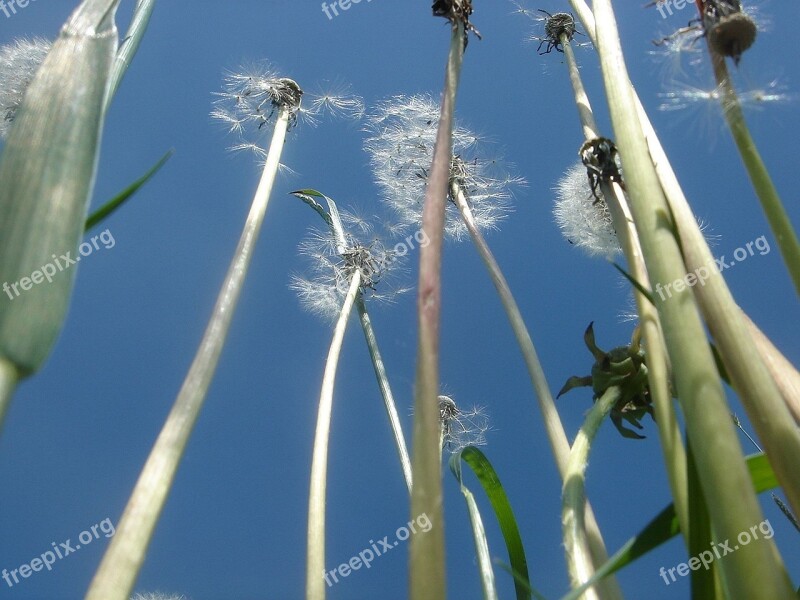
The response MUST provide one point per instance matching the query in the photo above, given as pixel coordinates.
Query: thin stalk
(122, 561)
(427, 569)
(129, 46)
(556, 435)
(697, 381)
(759, 176)
(386, 390)
(315, 557)
(9, 376)
(657, 359)
(576, 542)
(334, 221)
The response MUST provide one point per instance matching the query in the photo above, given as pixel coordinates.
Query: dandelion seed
(339, 102)
(402, 135)
(157, 596)
(460, 428)
(323, 289)
(584, 219)
(19, 62)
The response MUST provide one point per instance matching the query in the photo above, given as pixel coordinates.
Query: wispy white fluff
(19, 62)
(584, 221)
(402, 133)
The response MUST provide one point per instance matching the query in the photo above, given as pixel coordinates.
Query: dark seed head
(731, 35)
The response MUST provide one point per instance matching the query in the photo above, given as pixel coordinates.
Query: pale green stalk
(129, 46)
(755, 570)
(386, 390)
(315, 556)
(9, 376)
(556, 435)
(657, 359)
(576, 542)
(759, 176)
(334, 221)
(122, 561)
(427, 568)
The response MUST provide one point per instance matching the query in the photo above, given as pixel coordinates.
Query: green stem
(576, 543)
(427, 568)
(556, 435)
(129, 47)
(122, 561)
(759, 176)
(657, 359)
(315, 568)
(9, 377)
(386, 390)
(732, 502)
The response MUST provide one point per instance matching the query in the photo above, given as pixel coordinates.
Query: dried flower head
(625, 368)
(331, 268)
(730, 31)
(402, 134)
(584, 217)
(19, 62)
(456, 11)
(556, 26)
(459, 428)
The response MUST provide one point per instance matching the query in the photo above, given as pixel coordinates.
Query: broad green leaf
(47, 173)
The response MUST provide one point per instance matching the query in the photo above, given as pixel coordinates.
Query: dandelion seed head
(460, 428)
(584, 220)
(325, 284)
(19, 62)
(253, 97)
(402, 135)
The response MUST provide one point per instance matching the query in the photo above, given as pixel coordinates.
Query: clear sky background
(235, 524)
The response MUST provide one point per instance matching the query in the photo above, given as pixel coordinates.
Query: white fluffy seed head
(323, 287)
(402, 134)
(584, 221)
(19, 62)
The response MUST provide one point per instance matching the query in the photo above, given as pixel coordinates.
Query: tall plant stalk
(556, 435)
(765, 189)
(332, 218)
(315, 557)
(697, 382)
(579, 556)
(657, 359)
(427, 568)
(122, 561)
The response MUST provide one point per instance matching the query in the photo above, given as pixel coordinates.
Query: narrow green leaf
(490, 482)
(112, 205)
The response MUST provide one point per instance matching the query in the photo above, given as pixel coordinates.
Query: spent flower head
(331, 267)
(402, 134)
(584, 218)
(19, 62)
(460, 428)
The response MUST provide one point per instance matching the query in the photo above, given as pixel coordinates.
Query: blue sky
(234, 527)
